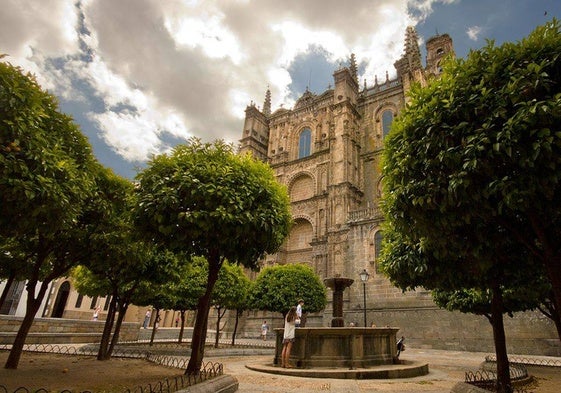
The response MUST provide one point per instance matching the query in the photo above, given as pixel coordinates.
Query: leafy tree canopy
(472, 166)
(277, 288)
(44, 159)
(204, 197)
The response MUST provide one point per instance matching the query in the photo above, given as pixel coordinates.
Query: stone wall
(59, 331)
(529, 333)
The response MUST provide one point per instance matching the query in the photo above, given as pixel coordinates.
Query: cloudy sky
(140, 76)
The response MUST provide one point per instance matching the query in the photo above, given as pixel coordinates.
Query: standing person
(299, 312)
(147, 319)
(96, 313)
(288, 337)
(264, 330)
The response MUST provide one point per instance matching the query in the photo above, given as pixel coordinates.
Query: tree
(277, 288)
(46, 184)
(472, 171)
(204, 200)
(230, 293)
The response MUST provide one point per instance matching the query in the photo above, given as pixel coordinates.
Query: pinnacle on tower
(412, 51)
(353, 68)
(267, 103)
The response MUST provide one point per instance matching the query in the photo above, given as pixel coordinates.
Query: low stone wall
(58, 330)
(528, 333)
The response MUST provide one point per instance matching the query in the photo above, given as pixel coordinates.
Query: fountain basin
(340, 347)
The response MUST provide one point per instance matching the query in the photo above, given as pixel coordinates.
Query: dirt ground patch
(78, 373)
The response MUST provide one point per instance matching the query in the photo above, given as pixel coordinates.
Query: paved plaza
(446, 369)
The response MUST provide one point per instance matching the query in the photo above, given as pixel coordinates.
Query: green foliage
(232, 288)
(204, 197)
(277, 288)
(44, 159)
(526, 292)
(472, 168)
(190, 286)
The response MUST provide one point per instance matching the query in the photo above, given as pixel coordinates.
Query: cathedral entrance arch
(61, 298)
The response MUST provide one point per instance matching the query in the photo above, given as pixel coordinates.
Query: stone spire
(267, 103)
(353, 68)
(412, 51)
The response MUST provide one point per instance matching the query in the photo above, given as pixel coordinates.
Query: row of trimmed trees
(472, 185)
(192, 220)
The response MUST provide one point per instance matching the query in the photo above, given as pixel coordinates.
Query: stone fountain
(338, 285)
(344, 352)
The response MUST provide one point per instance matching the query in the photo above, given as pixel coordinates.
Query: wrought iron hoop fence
(208, 370)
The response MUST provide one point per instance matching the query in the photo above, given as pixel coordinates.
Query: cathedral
(327, 150)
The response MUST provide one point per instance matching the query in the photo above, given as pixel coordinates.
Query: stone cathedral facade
(327, 150)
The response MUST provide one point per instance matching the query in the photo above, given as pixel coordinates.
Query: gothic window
(305, 143)
(387, 119)
(378, 237)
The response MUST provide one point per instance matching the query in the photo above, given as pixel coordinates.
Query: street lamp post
(364, 277)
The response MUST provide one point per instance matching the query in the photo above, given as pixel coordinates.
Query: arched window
(387, 119)
(305, 143)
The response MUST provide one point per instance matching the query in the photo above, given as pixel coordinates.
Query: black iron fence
(529, 361)
(208, 370)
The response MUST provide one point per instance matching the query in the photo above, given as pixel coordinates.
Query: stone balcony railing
(365, 214)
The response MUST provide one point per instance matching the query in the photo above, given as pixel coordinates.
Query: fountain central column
(338, 285)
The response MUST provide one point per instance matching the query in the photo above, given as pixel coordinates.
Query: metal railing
(529, 361)
(208, 370)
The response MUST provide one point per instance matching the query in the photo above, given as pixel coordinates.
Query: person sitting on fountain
(400, 345)
(288, 337)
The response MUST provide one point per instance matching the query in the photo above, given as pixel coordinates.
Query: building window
(387, 119)
(93, 304)
(305, 143)
(107, 301)
(378, 237)
(79, 301)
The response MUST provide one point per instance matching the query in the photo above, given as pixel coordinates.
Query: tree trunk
(9, 283)
(182, 314)
(238, 312)
(115, 339)
(503, 369)
(553, 268)
(155, 327)
(200, 329)
(221, 313)
(31, 308)
(102, 354)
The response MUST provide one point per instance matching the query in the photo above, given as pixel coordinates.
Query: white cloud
(180, 68)
(474, 32)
